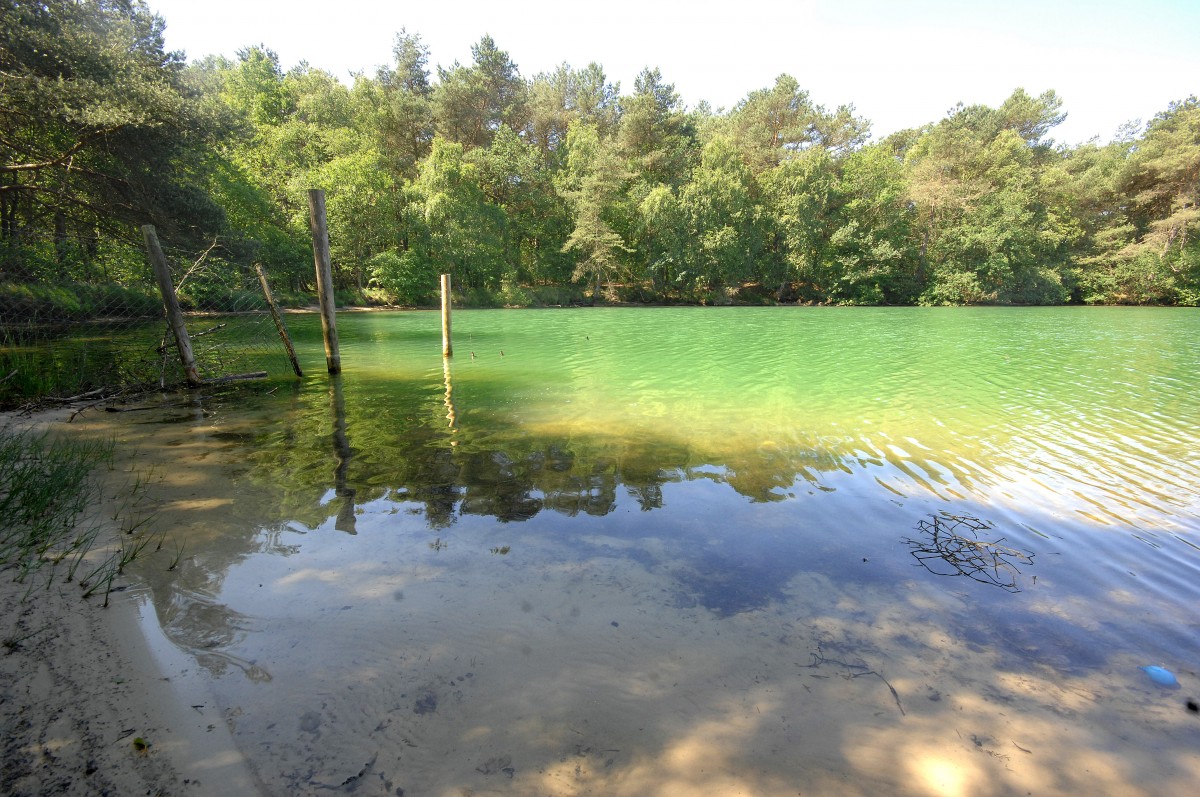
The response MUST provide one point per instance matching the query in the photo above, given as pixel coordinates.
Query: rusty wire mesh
(97, 338)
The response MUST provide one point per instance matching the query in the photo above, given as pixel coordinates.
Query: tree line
(561, 187)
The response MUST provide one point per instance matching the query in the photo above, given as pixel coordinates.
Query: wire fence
(100, 339)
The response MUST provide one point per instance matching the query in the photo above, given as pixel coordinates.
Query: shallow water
(699, 551)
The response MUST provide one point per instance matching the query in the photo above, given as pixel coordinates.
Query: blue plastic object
(1161, 675)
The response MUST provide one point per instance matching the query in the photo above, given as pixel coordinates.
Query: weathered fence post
(320, 236)
(447, 349)
(162, 273)
(283, 333)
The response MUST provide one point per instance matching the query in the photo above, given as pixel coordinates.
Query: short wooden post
(447, 348)
(162, 273)
(283, 333)
(320, 236)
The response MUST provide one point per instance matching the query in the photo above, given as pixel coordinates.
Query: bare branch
(64, 157)
(198, 264)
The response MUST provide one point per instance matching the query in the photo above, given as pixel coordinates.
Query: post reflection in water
(343, 454)
(451, 415)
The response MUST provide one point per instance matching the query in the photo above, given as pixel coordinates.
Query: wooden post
(320, 236)
(162, 273)
(283, 333)
(447, 349)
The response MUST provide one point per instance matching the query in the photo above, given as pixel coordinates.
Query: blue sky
(901, 64)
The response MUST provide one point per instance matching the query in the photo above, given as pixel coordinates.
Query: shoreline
(85, 683)
(79, 683)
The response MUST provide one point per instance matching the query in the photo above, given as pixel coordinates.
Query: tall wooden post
(320, 236)
(447, 348)
(283, 333)
(162, 273)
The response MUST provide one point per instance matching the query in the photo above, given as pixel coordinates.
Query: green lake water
(699, 551)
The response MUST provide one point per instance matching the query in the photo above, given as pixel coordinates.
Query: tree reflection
(453, 453)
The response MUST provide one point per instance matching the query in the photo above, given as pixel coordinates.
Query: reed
(56, 512)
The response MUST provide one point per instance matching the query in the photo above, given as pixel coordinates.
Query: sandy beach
(94, 701)
(81, 685)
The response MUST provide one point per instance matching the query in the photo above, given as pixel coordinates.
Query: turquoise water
(702, 550)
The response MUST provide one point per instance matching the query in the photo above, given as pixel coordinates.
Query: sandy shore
(79, 684)
(94, 701)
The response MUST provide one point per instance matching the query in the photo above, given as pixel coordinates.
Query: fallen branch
(208, 331)
(236, 378)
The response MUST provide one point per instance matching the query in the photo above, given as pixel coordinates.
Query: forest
(557, 189)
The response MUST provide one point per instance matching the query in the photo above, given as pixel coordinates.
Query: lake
(694, 551)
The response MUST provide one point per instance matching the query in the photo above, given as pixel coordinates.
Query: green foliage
(254, 88)
(985, 217)
(54, 303)
(406, 277)
(399, 106)
(722, 217)
(568, 95)
(801, 199)
(512, 185)
(97, 128)
(871, 247)
(770, 125)
(471, 103)
(514, 295)
(654, 135)
(514, 178)
(463, 232)
(1164, 181)
(592, 185)
(663, 238)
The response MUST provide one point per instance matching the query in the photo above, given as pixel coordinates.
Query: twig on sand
(818, 660)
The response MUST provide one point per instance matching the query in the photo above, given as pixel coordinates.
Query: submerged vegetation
(562, 187)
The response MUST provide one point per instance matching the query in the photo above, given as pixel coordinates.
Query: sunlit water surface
(699, 551)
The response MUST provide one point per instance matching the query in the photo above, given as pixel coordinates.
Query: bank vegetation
(557, 188)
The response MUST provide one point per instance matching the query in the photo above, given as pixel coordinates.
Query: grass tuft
(51, 496)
